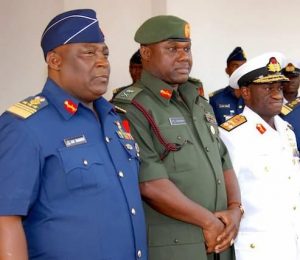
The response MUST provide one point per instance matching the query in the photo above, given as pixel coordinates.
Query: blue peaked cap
(75, 26)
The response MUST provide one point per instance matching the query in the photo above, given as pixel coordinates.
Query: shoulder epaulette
(28, 106)
(128, 94)
(120, 110)
(195, 81)
(289, 107)
(215, 92)
(233, 122)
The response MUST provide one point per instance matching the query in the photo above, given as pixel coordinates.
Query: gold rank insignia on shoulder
(28, 106)
(289, 107)
(233, 122)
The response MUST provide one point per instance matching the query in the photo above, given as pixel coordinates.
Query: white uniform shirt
(267, 166)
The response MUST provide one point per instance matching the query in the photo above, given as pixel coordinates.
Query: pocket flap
(80, 157)
(174, 234)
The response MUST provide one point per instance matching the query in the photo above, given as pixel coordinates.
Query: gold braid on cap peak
(274, 73)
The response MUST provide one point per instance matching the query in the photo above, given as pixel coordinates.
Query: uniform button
(139, 253)
(252, 245)
(121, 174)
(266, 168)
(179, 137)
(107, 139)
(129, 146)
(133, 211)
(129, 159)
(85, 162)
(206, 149)
(289, 177)
(219, 182)
(176, 241)
(294, 208)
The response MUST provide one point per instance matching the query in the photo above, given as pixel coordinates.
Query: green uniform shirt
(196, 169)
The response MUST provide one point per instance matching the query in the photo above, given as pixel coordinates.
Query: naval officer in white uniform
(266, 160)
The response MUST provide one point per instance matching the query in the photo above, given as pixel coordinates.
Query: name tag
(177, 121)
(73, 141)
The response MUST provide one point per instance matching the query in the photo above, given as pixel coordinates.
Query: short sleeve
(151, 166)
(19, 164)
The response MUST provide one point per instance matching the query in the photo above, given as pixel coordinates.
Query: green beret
(161, 28)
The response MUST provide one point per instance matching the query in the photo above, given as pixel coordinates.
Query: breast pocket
(183, 159)
(84, 168)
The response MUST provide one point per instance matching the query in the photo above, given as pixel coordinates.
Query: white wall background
(217, 26)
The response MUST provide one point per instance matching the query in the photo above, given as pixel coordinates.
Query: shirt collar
(68, 105)
(161, 90)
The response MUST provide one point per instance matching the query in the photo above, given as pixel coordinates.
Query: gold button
(252, 245)
(85, 162)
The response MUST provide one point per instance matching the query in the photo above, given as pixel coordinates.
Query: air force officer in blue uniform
(69, 172)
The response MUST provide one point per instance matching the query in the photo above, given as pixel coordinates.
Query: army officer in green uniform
(191, 195)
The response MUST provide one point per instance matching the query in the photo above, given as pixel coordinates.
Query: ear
(54, 60)
(245, 93)
(145, 52)
(226, 70)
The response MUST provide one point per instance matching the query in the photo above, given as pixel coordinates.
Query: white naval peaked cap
(265, 68)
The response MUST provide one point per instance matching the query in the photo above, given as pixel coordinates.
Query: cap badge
(70, 106)
(261, 128)
(273, 65)
(166, 93)
(187, 30)
(290, 68)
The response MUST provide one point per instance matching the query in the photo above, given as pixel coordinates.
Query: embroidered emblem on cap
(273, 65)
(187, 30)
(261, 128)
(166, 93)
(70, 106)
(290, 68)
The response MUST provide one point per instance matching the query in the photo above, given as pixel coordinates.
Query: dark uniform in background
(186, 173)
(291, 109)
(227, 102)
(68, 168)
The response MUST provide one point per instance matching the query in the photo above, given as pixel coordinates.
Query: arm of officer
(166, 198)
(232, 216)
(12, 239)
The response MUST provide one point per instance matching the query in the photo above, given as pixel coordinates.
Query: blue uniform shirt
(225, 104)
(294, 119)
(74, 178)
